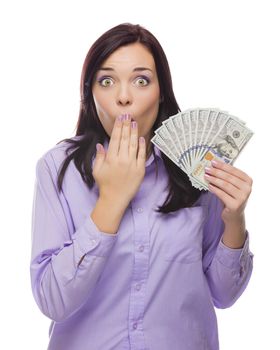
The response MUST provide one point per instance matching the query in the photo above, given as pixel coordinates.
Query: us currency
(207, 120)
(175, 139)
(163, 141)
(187, 131)
(192, 138)
(225, 146)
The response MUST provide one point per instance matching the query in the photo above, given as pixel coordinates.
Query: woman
(126, 254)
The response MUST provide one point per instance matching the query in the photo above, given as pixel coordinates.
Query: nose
(124, 96)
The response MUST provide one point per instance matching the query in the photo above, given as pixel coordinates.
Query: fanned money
(194, 137)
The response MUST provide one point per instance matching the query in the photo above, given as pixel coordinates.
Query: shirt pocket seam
(187, 248)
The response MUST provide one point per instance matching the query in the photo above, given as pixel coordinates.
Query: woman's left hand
(232, 186)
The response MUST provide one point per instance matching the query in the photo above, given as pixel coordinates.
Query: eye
(106, 81)
(143, 81)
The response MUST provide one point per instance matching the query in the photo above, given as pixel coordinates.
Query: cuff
(89, 237)
(231, 257)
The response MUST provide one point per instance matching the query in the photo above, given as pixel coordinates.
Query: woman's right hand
(119, 172)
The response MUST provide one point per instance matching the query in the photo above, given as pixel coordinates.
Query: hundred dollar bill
(193, 121)
(225, 145)
(162, 142)
(192, 138)
(168, 128)
(215, 120)
(187, 131)
(206, 120)
(202, 121)
(175, 123)
(190, 127)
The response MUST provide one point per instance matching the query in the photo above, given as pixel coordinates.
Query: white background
(222, 54)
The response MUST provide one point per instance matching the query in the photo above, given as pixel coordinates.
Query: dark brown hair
(181, 192)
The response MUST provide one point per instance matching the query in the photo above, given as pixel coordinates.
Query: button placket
(140, 274)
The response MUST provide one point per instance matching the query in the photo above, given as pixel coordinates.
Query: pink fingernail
(213, 162)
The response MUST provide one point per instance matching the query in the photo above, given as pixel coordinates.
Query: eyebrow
(137, 69)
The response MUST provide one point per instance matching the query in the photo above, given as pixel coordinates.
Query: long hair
(181, 193)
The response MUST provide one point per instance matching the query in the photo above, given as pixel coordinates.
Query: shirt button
(135, 325)
(93, 241)
(139, 210)
(141, 248)
(138, 286)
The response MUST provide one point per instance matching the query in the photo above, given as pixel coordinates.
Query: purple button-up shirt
(152, 285)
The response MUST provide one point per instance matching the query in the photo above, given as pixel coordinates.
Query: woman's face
(127, 82)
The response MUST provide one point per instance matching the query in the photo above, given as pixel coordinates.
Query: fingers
(113, 148)
(100, 153)
(137, 145)
(130, 143)
(133, 147)
(141, 159)
(125, 137)
(228, 168)
(124, 141)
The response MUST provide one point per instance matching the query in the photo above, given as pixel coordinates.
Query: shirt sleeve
(65, 265)
(227, 270)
